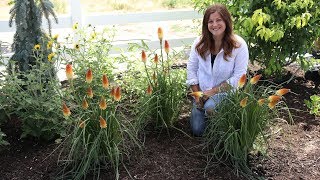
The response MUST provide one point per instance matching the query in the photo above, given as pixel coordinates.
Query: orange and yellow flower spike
(255, 79)
(85, 104)
(90, 92)
(117, 94)
(66, 111)
(103, 103)
(160, 34)
(242, 81)
(274, 98)
(282, 91)
(149, 90)
(272, 104)
(89, 76)
(166, 46)
(196, 94)
(105, 81)
(261, 101)
(143, 56)
(156, 59)
(103, 122)
(243, 102)
(69, 72)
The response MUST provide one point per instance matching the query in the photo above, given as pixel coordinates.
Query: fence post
(76, 15)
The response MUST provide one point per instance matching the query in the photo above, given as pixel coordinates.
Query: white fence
(66, 22)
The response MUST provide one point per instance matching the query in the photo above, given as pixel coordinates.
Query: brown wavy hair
(206, 43)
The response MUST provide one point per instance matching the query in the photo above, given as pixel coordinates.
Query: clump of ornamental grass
(164, 87)
(101, 134)
(240, 119)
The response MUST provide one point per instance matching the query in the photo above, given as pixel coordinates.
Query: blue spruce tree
(27, 15)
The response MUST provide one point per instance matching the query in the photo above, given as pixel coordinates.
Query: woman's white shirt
(200, 71)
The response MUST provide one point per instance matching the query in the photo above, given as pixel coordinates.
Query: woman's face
(216, 25)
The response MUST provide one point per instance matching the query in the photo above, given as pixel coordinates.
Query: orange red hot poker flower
(272, 104)
(196, 94)
(149, 90)
(89, 76)
(103, 122)
(243, 102)
(261, 101)
(103, 103)
(274, 98)
(66, 111)
(255, 79)
(160, 33)
(90, 92)
(69, 72)
(117, 93)
(105, 81)
(242, 81)
(282, 91)
(143, 56)
(166, 46)
(156, 59)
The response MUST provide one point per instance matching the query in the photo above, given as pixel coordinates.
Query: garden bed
(293, 152)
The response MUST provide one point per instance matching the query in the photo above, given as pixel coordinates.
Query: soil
(293, 153)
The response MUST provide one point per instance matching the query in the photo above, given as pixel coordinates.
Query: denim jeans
(198, 117)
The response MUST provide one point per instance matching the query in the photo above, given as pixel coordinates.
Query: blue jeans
(197, 120)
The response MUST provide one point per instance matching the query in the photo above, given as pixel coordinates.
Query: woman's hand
(211, 92)
(223, 87)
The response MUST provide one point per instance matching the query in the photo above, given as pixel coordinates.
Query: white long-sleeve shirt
(200, 71)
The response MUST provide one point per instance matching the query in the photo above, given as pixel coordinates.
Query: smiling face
(216, 25)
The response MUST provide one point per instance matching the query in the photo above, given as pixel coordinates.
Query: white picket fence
(147, 22)
(149, 18)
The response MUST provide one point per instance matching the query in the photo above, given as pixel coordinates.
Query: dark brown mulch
(293, 153)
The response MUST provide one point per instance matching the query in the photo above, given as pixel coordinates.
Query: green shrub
(314, 104)
(278, 32)
(240, 119)
(34, 97)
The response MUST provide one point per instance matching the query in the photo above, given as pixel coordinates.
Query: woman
(218, 59)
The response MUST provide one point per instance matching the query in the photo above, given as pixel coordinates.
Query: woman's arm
(240, 64)
(193, 66)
